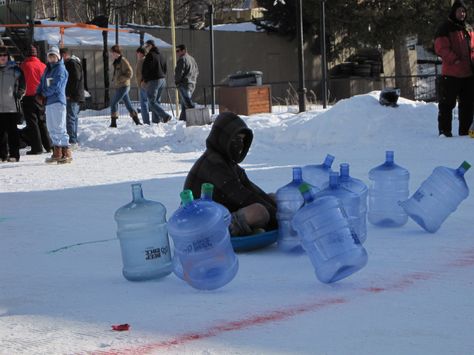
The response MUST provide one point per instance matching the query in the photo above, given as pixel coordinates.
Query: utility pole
(213, 74)
(173, 41)
(301, 88)
(324, 64)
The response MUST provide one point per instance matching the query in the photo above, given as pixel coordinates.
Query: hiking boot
(113, 121)
(445, 134)
(167, 119)
(135, 118)
(13, 160)
(66, 155)
(55, 157)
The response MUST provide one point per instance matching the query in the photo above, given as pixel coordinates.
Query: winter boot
(134, 117)
(57, 155)
(66, 155)
(113, 121)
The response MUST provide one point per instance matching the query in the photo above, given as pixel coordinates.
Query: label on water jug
(199, 245)
(418, 196)
(334, 244)
(155, 253)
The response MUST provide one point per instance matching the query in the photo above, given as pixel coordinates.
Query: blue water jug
(141, 229)
(388, 186)
(289, 200)
(437, 197)
(327, 237)
(350, 201)
(360, 188)
(201, 238)
(317, 175)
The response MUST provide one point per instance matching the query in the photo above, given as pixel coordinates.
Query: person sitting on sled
(226, 146)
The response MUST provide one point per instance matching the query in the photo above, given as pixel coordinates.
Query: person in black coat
(74, 92)
(226, 146)
(154, 79)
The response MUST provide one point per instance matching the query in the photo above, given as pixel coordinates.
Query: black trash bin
(249, 78)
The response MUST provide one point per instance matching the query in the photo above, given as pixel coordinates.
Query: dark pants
(450, 89)
(37, 132)
(9, 132)
(185, 99)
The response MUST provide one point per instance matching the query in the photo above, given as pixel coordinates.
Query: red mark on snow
(121, 327)
(466, 259)
(255, 320)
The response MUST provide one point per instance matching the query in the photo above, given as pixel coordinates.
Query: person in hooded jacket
(226, 146)
(74, 93)
(154, 79)
(454, 43)
(52, 90)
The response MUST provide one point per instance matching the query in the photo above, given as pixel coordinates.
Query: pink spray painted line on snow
(408, 280)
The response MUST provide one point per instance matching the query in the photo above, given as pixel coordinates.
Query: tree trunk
(403, 73)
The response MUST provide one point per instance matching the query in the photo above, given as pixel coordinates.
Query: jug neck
(333, 180)
(344, 172)
(307, 193)
(328, 160)
(463, 168)
(137, 192)
(389, 157)
(186, 197)
(207, 189)
(297, 174)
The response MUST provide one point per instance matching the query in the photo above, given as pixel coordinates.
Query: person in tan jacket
(121, 80)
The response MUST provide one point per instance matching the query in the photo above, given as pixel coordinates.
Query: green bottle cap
(465, 165)
(304, 187)
(186, 196)
(207, 188)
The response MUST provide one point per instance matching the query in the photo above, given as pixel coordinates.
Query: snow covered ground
(415, 296)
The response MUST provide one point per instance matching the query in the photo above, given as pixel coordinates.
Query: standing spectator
(141, 52)
(122, 74)
(36, 130)
(74, 93)
(185, 77)
(454, 43)
(52, 88)
(12, 88)
(153, 79)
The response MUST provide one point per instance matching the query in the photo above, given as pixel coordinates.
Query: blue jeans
(185, 99)
(121, 94)
(56, 123)
(154, 88)
(72, 115)
(145, 110)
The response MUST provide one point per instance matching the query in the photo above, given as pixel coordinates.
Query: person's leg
(144, 106)
(45, 138)
(247, 219)
(448, 92)
(76, 107)
(466, 105)
(13, 137)
(154, 89)
(128, 104)
(3, 139)
(119, 93)
(71, 120)
(32, 125)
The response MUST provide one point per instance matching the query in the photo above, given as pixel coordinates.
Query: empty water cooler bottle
(289, 201)
(437, 197)
(318, 174)
(141, 229)
(327, 237)
(388, 186)
(200, 233)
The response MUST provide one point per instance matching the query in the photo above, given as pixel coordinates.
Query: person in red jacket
(37, 132)
(454, 43)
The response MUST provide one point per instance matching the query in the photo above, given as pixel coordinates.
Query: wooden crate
(245, 100)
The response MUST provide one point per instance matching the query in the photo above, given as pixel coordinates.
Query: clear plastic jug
(388, 186)
(317, 175)
(350, 201)
(141, 229)
(327, 237)
(200, 233)
(289, 201)
(360, 188)
(437, 197)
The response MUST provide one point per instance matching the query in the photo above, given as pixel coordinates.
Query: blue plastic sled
(254, 242)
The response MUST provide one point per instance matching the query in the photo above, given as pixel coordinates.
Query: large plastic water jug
(327, 237)
(289, 200)
(350, 201)
(360, 188)
(317, 175)
(437, 197)
(388, 186)
(141, 229)
(200, 233)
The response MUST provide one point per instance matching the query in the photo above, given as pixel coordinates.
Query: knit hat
(33, 52)
(54, 50)
(150, 42)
